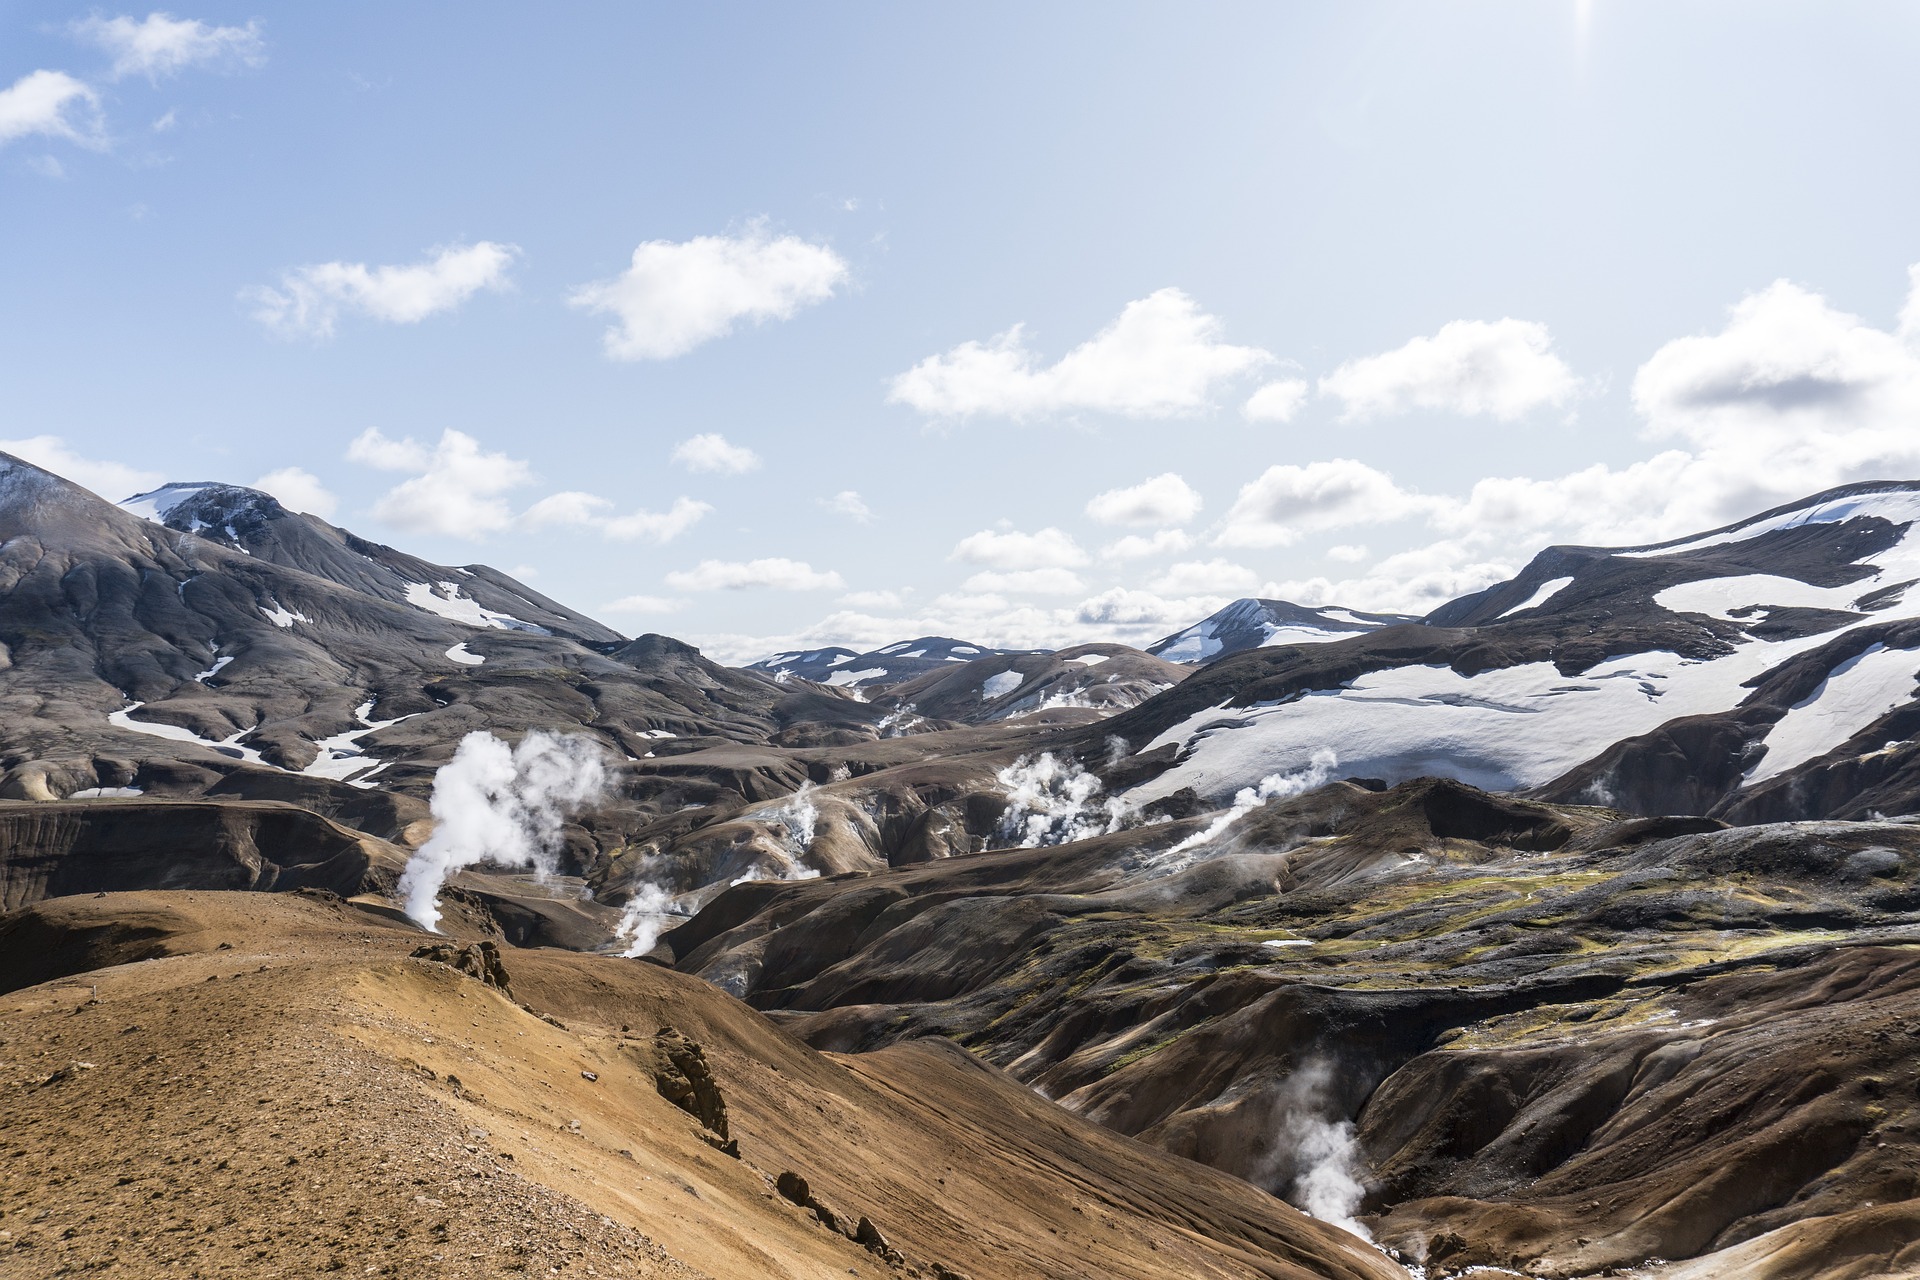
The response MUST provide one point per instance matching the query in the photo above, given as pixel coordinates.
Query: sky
(774, 326)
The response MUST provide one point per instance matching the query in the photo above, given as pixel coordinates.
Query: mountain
(229, 647)
(1764, 670)
(897, 662)
(1502, 934)
(254, 522)
(1250, 623)
(1537, 1039)
(1100, 679)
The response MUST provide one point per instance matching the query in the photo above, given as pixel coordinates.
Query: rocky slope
(230, 1084)
(1554, 1039)
(880, 668)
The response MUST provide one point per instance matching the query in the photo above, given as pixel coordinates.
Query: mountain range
(1566, 929)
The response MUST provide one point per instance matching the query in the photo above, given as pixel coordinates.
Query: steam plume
(1318, 773)
(1052, 800)
(1316, 1158)
(493, 803)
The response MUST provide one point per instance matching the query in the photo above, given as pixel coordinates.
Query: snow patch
(218, 665)
(464, 656)
(1545, 592)
(841, 679)
(123, 719)
(280, 616)
(450, 601)
(1854, 695)
(996, 686)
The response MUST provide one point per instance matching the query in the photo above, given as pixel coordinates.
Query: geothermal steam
(500, 804)
(1316, 1157)
(1052, 800)
(1275, 786)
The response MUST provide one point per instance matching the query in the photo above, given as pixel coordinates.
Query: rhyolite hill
(1571, 926)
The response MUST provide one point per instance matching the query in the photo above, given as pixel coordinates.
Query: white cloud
(643, 604)
(571, 508)
(1500, 369)
(299, 490)
(1277, 401)
(1134, 547)
(1347, 553)
(1273, 510)
(1026, 582)
(52, 104)
(111, 480)
(47, 167)
(1205, 577)
(160, 44)
(673, 297)
(1160, 358)
(459, 488)
(1789, 397)
(167, 122)
(778, 573)
(1415, 581)
(711, 452)
(849, 504)
(1164, 500)
(311, 299)
(1048, 549)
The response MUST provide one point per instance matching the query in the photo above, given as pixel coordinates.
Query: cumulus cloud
(1205, 577)
(1162, 357)
(50, 104)
(1285, 501)
(1413, 582)
(777, 573)
(675, 296)
(1026, 582)
(710, 451)
(458, 491)
(1164, 500)
(1136, 547)
(1047, 549)
(849, 504)
(1347, 553)
(310, 300)
(573, 509)
(162, 45)
(299, 490)
(1500, 369)
(1277, 401)
(111, 480)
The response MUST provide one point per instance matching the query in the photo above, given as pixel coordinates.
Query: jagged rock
(681, 1074)
(477, 960)
(868, 1237)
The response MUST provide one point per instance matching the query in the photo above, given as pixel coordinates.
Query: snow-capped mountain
(1767, 668)
(254, 522)
(205, 640)
(1249, 624)
(880, 668)
(1100, 679)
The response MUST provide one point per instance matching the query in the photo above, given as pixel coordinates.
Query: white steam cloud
(500, 804)
(647, 915)
(1316, 1158)
(1282, 786)
(1052, 800)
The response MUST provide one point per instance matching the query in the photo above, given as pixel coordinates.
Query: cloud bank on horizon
(1790, 396)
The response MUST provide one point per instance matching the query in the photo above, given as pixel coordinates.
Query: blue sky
(1501, 274)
